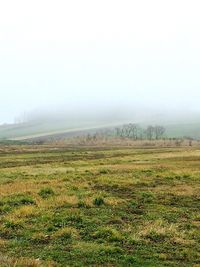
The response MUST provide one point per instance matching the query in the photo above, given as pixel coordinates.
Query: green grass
(99, 207)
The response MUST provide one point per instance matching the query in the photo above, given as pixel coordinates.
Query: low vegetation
(62, 206)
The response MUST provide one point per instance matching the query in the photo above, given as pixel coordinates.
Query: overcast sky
(98, 53)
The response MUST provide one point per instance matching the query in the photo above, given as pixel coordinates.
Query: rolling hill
(61, 128)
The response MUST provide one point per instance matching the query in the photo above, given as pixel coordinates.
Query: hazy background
(99, 57)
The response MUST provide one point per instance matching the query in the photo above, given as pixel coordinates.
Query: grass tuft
(99, 201)
(46, 192)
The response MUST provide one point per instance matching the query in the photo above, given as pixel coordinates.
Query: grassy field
(99, 207)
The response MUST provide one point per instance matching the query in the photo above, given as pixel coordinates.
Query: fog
(108, 61)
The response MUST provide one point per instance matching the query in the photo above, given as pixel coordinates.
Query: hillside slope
(36, 129)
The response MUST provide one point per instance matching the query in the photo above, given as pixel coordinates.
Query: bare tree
(134, 131)
(150, 132)
(159, 131)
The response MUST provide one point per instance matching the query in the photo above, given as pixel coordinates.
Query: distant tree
(134, 131)
(128, 129)
(159, 131)
(150, 132)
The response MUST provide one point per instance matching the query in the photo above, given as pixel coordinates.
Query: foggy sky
(94, 55)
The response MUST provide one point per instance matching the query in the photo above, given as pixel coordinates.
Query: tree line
(130, 131)
(136, 132)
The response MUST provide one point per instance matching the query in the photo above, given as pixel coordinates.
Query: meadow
(95, 206)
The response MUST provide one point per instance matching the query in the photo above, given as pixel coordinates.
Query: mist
(99, 62)
(105, 115)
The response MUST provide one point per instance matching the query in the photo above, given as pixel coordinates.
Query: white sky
(95, 53)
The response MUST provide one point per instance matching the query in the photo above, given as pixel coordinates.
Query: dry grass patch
(159, 230)
(3, 242)
(179, 190)
(22, 262)
(114, 201)
(59, 201)
(18, 186)
(24, 212)
(185, 190)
